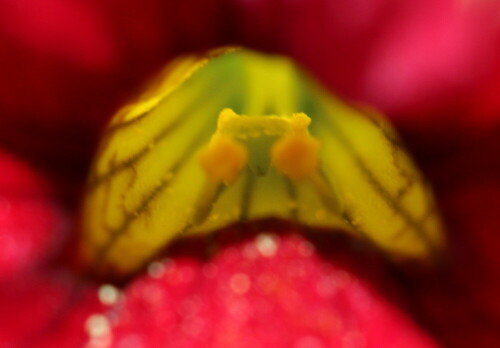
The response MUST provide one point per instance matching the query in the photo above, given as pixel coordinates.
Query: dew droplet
(97, 325)
(267, 244)
(99, 331)
(156, 269)
(240, 283)
(108, 294)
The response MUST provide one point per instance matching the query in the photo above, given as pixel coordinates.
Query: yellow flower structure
(236, 136)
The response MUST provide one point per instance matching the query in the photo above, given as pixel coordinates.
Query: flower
(430, 65)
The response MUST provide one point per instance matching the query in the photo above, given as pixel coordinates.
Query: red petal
(266, 290)
(461, 302)
(46, 310)
(31, 221)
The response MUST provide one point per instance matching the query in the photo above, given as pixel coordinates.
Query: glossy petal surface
(266, 289)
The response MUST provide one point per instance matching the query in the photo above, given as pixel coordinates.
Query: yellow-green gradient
(237, 136)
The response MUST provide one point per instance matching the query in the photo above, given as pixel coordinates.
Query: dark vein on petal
(203, 212)
(105, 206)
(409, 179)
(422, 220)
(293, 197)
(126, 164)
(390, 137)
(113, 128)
(329, 200)
(246, 198)
(345, 214)
(348, 219)
(381, 190)
(156, 253)
(396, 146)
(116, 233)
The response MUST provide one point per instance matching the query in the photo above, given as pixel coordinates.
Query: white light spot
(97, 325)
(267, 245)
(240, 283)
(98, 329)
(156, 269)
(108, 294)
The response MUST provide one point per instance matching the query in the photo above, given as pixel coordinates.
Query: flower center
(172, 163)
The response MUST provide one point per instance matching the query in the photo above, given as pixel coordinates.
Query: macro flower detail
(236, 136)
(431, 67)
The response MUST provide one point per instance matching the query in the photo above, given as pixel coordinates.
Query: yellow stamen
(223, 159)
(296, 153)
